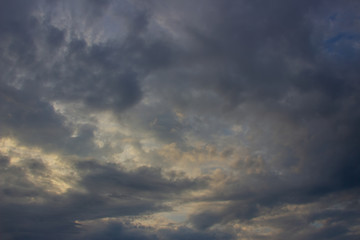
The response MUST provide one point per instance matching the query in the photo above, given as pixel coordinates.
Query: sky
(179, 120)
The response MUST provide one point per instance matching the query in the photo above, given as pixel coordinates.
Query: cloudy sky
(179, 119)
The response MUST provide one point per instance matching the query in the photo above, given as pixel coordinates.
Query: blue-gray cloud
(183, 73)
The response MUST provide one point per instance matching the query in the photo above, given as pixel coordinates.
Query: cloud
(187, 233)
(119, 230)
(147, 180)
(104, 191)
(241, 115)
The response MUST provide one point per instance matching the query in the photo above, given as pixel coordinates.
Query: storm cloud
(179, 120)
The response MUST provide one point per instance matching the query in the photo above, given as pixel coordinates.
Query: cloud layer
(179, 119)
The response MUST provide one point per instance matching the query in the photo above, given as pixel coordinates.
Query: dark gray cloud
(272, 67)
(116, 230)
(35, 122)
(121, 231)
(29, 119)
(107, 191)
(188, 233)
(147, 180)
(182, 73)
(42, 63)
(102, 76)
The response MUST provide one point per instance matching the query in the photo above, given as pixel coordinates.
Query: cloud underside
(179, 120)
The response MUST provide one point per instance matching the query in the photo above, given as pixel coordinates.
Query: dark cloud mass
(179, 119)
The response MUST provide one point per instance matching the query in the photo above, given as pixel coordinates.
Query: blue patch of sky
(343, 44)
(317, 224)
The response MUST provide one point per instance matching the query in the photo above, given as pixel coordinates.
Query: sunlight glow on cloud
(57, 176)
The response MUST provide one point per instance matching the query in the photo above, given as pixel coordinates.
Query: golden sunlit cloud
(58, 176)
